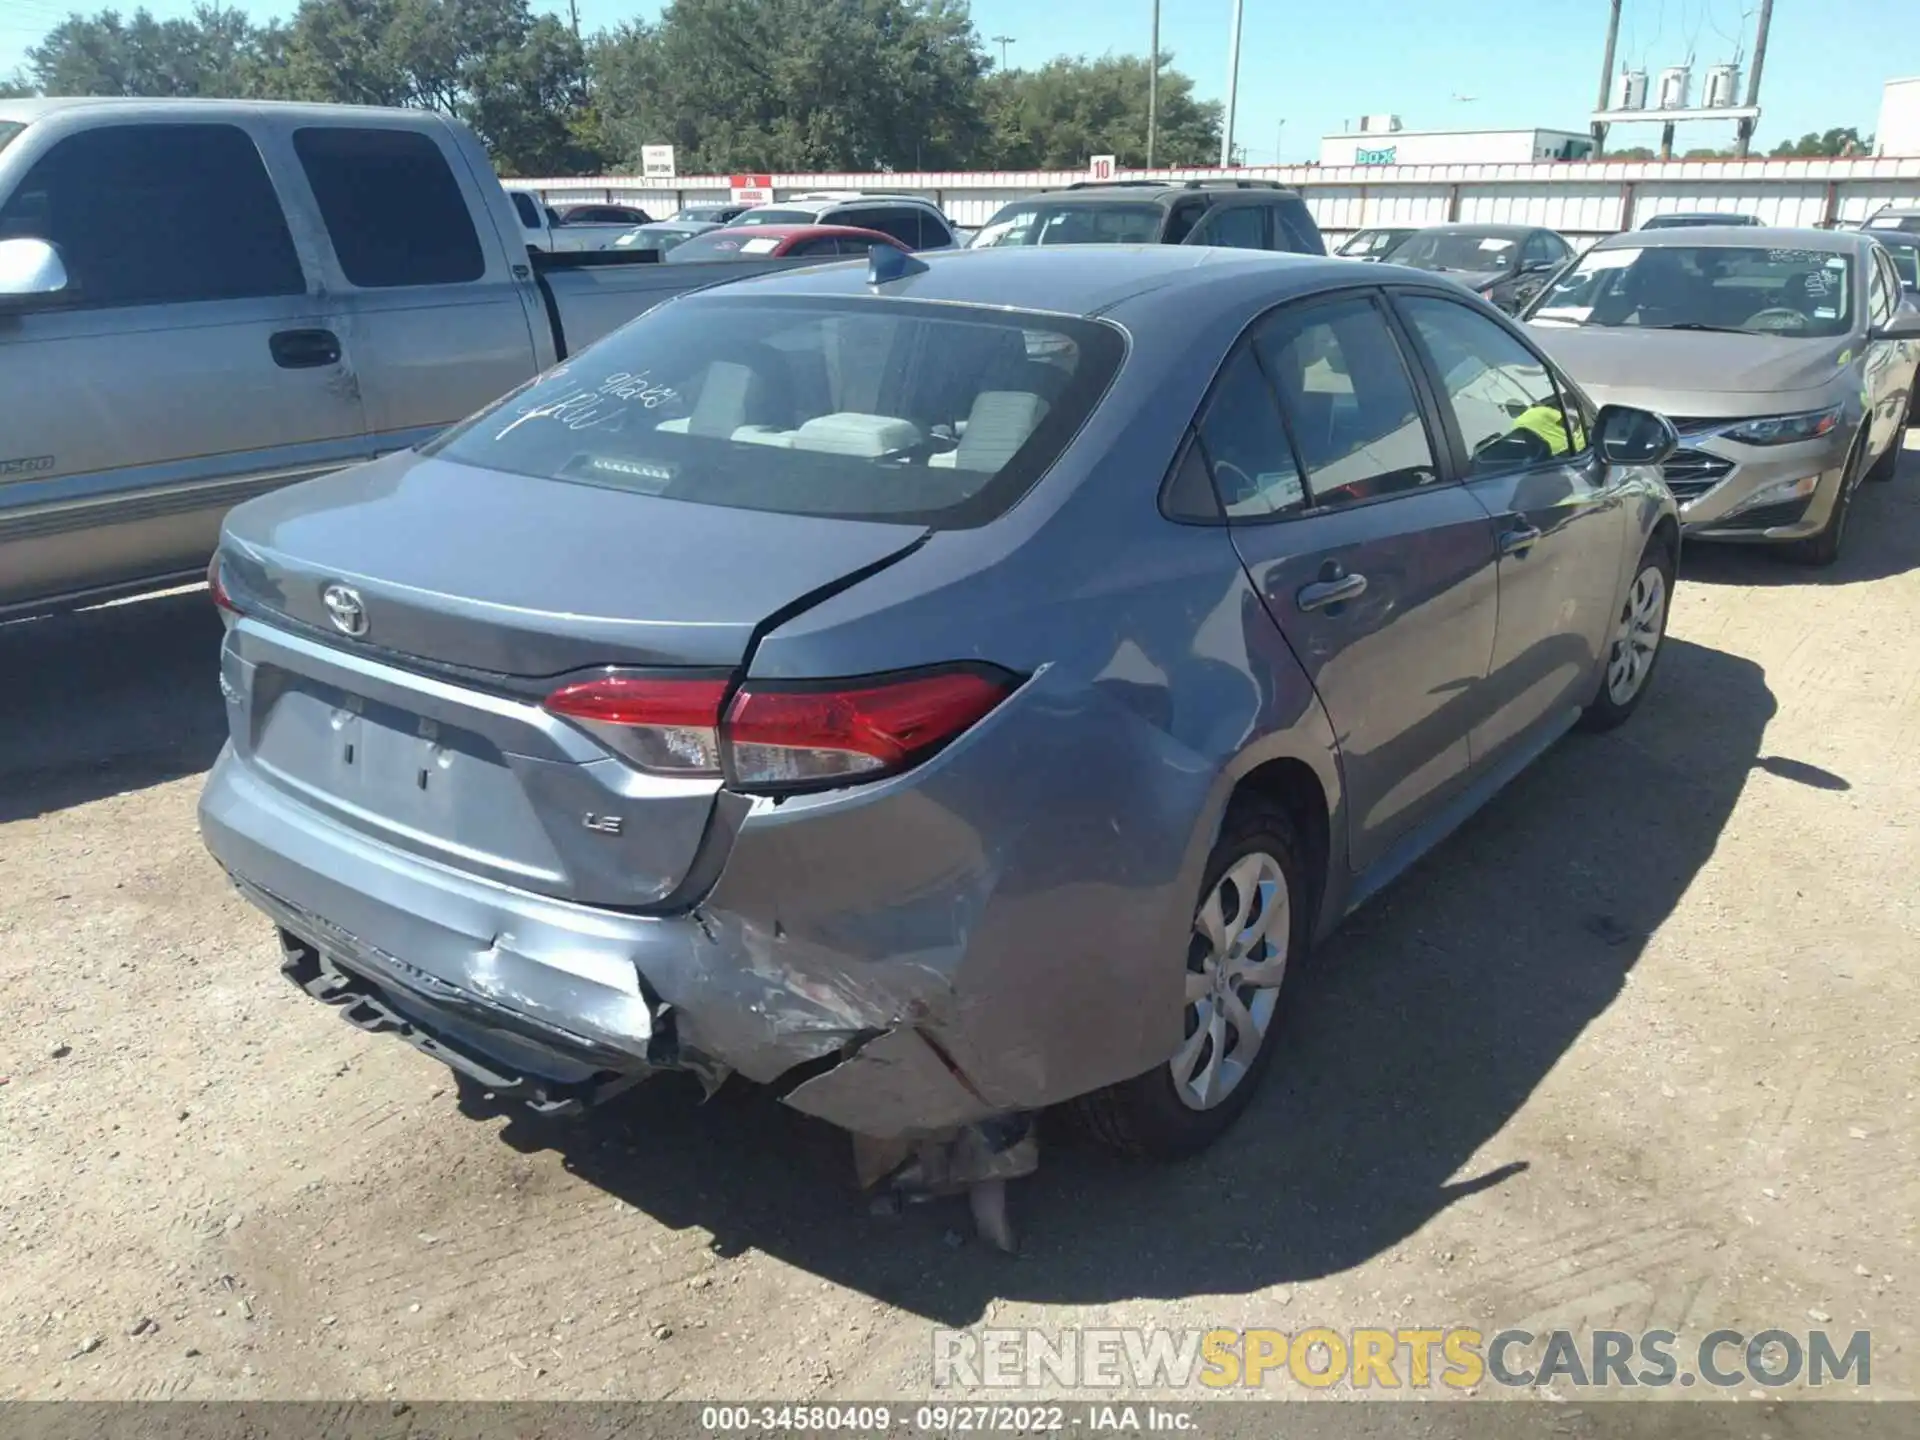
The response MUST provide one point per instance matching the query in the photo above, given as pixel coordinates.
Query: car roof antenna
(887, 263)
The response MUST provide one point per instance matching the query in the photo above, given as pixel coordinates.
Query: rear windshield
(766, 215)
(1762, 289)
(725, 244)
(1071, 225)
(939, 415)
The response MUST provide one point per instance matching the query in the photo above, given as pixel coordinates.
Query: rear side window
(529, 212)
(391, 206)
(1239, 227)
(1294, 229)
(151, 214)
(1349, 401)
(902, 222)
(939, 415)
(1246, 447)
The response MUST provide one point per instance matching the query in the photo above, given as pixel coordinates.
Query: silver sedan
(1785, 358)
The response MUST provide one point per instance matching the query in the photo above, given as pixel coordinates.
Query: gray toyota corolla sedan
(1785, 357)
(937, 690)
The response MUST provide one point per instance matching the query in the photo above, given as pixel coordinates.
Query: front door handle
(1520, 539)
(304, 349)
(1335, 591)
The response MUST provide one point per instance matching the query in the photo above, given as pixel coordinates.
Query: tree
(1632, 152)
(796, 85)
(1070, 108)
(1841, 140)
(215, 52)
(516, 79)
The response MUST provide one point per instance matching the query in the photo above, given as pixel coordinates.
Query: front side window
(391, 206)
(1881, 297)
(1541, 250)
(1349, 402)
(1760, 289)
(1505, 402)
(937, 415)
(152, 214)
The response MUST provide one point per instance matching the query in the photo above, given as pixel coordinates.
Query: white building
(1381, 141)
(1899, 130)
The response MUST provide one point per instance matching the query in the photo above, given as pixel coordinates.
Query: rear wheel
(1251, 924)
(1638, 634)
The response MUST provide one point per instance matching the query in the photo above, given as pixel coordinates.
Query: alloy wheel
(1636, 638)
(1235, 963)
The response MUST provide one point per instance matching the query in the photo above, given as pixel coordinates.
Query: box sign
(1102, 167)
(751, 189)
(1375, 157)
(656, 162)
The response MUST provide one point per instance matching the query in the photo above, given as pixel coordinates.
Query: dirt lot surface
(1636, 1048)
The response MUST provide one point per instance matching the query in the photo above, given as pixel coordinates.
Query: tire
(1882, 470)
(1888, 465)
(1639, 636)
(1823, 549)
(1159, 1116)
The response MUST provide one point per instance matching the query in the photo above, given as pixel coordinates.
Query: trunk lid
(472, 589)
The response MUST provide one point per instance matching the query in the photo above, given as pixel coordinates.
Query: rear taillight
(217, 590)
(781, 737)
(788, 738)
(668, 727)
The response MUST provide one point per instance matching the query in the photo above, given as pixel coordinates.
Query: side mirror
(1635, 437)
(30, 269)
(1905, 325)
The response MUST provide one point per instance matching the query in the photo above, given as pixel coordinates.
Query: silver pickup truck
(203, 300)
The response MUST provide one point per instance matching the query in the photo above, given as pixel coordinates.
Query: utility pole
(1233, 85)
(1744, 139)
(1153, 84)
(1606, 80)
(1003, 41)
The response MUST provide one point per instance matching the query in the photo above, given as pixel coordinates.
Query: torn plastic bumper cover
(916, 957)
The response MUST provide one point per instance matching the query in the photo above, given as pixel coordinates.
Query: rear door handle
(304, 349)
(1322, 593)
(1520, 539)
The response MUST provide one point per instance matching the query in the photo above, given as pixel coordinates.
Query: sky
(1310, 68)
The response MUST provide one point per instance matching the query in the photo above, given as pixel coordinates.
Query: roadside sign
(1101, 167)
(656, 162)
(752, 189)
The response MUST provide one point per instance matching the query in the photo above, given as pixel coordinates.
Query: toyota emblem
(345, 609)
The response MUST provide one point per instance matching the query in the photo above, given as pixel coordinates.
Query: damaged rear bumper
(562, 1005)
(887, 963)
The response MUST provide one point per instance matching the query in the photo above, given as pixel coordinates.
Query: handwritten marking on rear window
(1806, 257)
(591, 406)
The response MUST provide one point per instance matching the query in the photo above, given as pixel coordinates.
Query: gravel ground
(1635, 1049)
